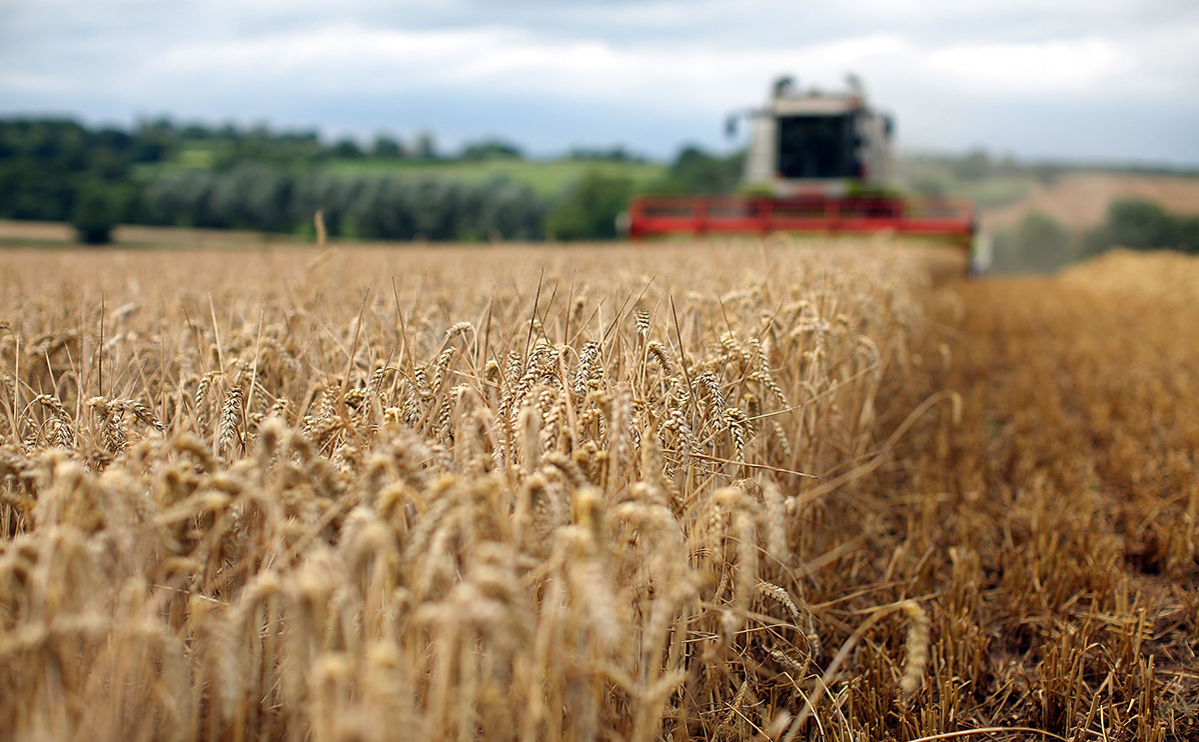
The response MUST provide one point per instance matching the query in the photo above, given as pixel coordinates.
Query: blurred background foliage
(1143, 225)
(1038, 244)
(164, 173)
(589, 208)
(261, 197)
(1041, 244)
(161, 173)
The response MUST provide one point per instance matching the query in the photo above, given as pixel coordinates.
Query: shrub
(1143, 225)
(1038, 244)
(94, 215)
(589, 209)
(696, 171)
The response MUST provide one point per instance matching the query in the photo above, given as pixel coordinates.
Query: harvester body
(813, 143)
(816, 162)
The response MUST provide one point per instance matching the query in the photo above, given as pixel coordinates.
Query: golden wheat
(568, 494)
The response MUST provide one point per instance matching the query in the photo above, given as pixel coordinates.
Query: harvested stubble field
(781, 492)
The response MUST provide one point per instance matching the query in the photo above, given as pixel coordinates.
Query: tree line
(265, 198)
(259, 179)
(1040, 243)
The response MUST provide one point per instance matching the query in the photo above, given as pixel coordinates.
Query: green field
(546, 177)
(932, 176)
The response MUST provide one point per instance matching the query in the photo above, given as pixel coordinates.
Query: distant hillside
(1080, 201)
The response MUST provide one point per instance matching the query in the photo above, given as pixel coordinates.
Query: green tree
(1144, 225)
(616, 154)
(491, 149)
(424, 146)
(346, 149)
(696, 171)
(94, 215)
(1038, 244)
(386, 146)
(589, 208)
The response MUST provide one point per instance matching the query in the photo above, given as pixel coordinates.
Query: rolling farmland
(1080, 200)
(766, 490)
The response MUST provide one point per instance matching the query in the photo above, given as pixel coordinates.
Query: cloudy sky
(1110, 80)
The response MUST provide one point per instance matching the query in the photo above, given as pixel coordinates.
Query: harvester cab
(815, 163)
(815, 143)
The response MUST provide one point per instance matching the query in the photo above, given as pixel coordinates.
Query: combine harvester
(816, 163)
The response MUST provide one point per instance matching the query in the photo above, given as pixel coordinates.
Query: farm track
(363, 518)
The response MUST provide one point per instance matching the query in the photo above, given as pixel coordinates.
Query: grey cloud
(649, 75)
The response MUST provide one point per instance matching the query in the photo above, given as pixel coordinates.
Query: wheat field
(764, 490)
